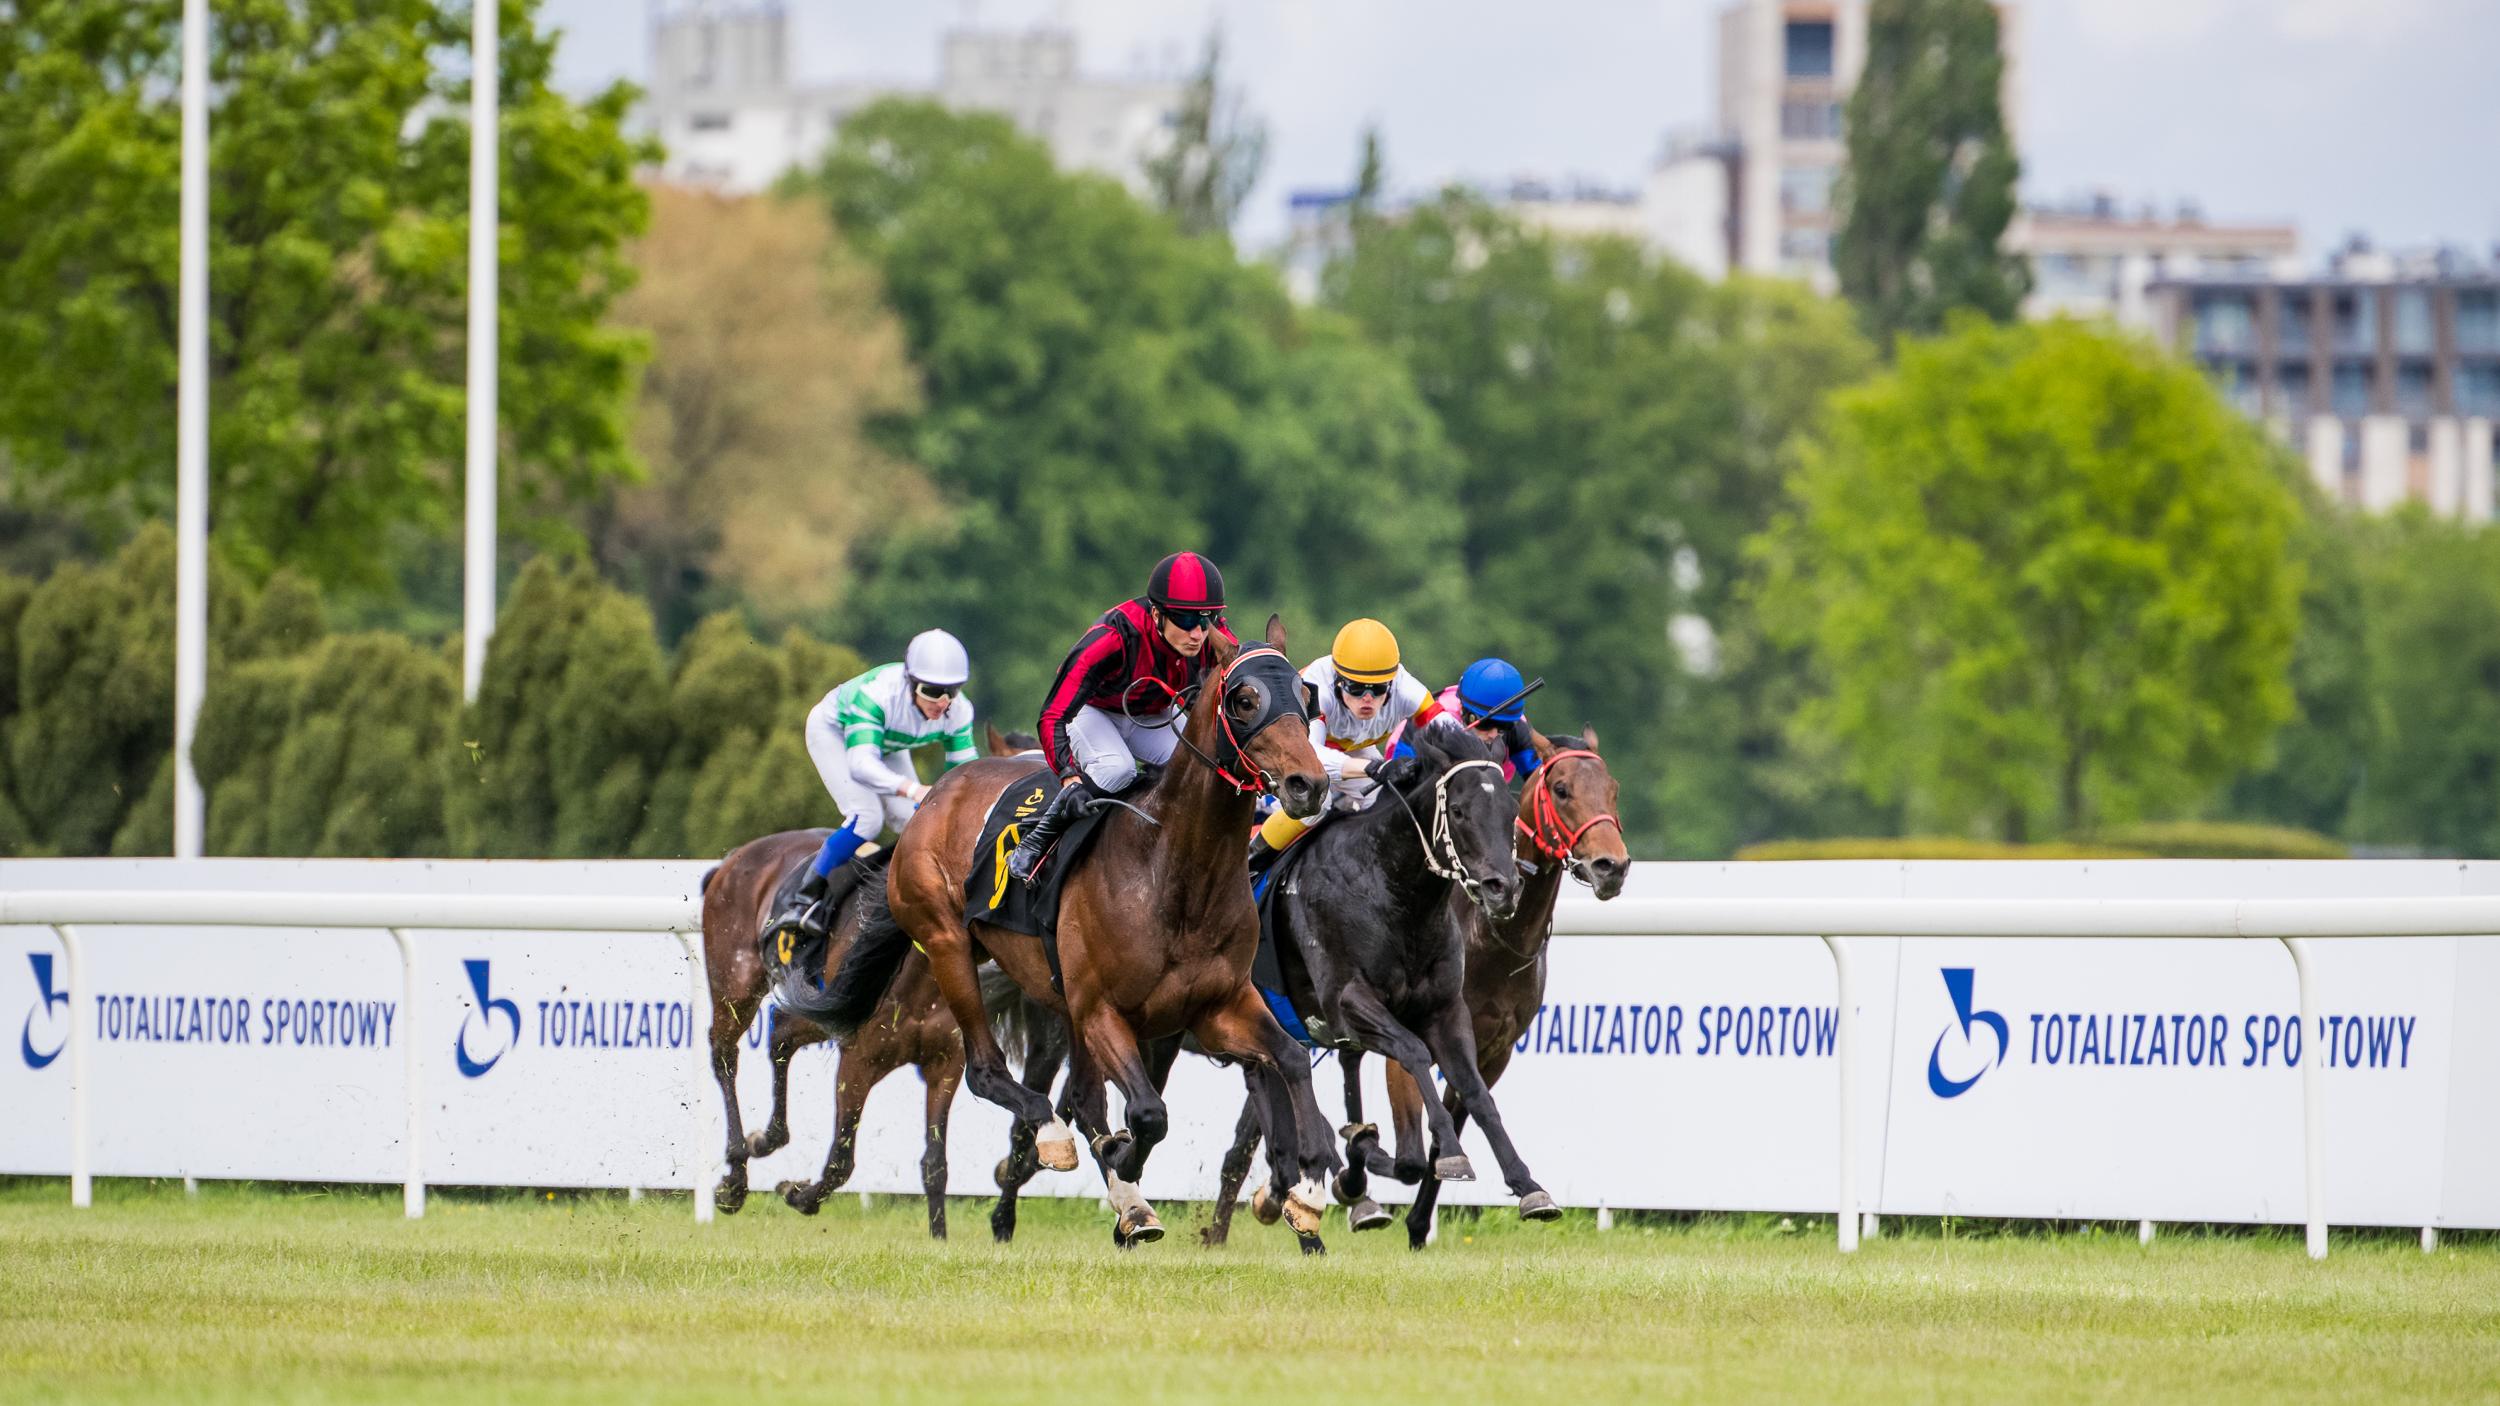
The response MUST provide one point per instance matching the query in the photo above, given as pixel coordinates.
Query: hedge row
(2186, 839)
(586, 739)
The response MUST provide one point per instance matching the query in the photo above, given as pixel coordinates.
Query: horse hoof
(728, 1199)
(1313, 1245)
(1454, 1167)
(1056, 1146)
(1367, 1214)
(1411, 1173)
(758, 1145)
(1211, 1236)
(1537, 1205)
(1263, 1206)
(1139, 1227)
(1304, 1206)
(796, 1193)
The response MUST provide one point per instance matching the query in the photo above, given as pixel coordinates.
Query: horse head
(1471, 816)
(1570, 807)
(1253, 714)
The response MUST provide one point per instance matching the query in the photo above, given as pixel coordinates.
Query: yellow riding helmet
(1365, 652)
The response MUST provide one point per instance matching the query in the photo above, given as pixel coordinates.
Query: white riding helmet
(937, 657)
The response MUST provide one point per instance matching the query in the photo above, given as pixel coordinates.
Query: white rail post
(697, 1031)
(1845, 1049)
(2312, 1100)
(191, 434)
(477, 596)
(415, 1199)
(81, 1185)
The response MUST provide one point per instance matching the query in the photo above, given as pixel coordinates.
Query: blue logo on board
(488, 1007)
(1957, 984)
(37, 1059)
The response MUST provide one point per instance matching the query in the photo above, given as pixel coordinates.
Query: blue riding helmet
(1490, 689)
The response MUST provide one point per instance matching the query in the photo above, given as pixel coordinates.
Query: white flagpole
(191, 436)
(478, 607)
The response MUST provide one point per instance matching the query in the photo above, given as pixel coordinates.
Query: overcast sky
(2381, 116)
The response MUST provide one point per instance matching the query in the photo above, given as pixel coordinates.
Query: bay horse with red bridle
(1156, 934)
(1568, 821)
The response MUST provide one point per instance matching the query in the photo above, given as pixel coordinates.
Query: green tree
(2312, 772)
(558, 754)
(1618, 424)
(753, 411)
(1929, 185)
(337, 275)
(2433, 645)
(1098, 390)
(1206, 171)
(2045, 574)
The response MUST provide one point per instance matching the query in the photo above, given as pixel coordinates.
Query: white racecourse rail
(523, 1023)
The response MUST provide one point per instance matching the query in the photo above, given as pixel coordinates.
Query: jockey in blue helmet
(1491, 699)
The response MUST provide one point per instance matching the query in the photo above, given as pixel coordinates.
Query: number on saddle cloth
(994, 896)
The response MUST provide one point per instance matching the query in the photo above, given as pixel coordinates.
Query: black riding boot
(1073, 800)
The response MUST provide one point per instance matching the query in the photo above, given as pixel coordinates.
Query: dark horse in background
(1368, 942)
(911, 1026)
(1568, 819)
(1155, 938)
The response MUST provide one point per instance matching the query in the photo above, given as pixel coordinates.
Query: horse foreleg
(1368, 1019)
(1246, 1134)
(1042, 1062)
(1453, 1039)
(949, 950)
(1301, 1154)
(790, 1034)
(942, 1073)
(1406, 1118)
(859, 1072)
(1085, 1102)
(728, 1027)
(1110, 1050)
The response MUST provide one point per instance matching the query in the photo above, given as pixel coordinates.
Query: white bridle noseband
(1440, 842)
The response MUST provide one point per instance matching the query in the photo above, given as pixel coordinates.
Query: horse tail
(859, 984)
(1026, 1030)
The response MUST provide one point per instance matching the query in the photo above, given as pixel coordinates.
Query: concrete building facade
(2384, 373)
(2090, 259)
(723, 101)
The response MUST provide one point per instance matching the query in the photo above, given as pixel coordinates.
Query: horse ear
(1427, 744)
(996, 744)
(1220, 651)
(1588, 736)
(1541, 744)
(1276, 631)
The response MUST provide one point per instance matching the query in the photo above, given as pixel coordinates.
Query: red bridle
(1258, 780)
(1543, 819)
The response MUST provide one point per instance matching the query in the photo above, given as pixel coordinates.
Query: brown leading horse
(1156, 933)
(910, 1027)
(1567, 816)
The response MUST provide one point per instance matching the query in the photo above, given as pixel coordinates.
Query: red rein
(1544, 818)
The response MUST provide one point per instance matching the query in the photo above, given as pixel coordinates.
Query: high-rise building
(1786, 68)
(2384, 373)
(724, 104)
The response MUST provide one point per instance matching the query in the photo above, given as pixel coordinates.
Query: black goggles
(936, 692)
(1352, 688)
(1192, 619)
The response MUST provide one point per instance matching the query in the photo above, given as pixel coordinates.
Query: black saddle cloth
(794, 958)
(994, 896)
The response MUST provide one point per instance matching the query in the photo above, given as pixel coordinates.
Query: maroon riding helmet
(1185, 581)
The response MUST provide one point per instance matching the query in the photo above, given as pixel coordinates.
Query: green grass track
(275, 1294)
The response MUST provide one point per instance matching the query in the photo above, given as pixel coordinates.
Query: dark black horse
(1372, 957)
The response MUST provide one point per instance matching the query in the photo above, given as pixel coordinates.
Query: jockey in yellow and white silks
(1364, 695)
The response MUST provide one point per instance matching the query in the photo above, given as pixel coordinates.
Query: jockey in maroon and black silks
(1116, 699)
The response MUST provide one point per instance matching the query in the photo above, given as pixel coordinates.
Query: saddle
(794, 958)
(993, 895)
